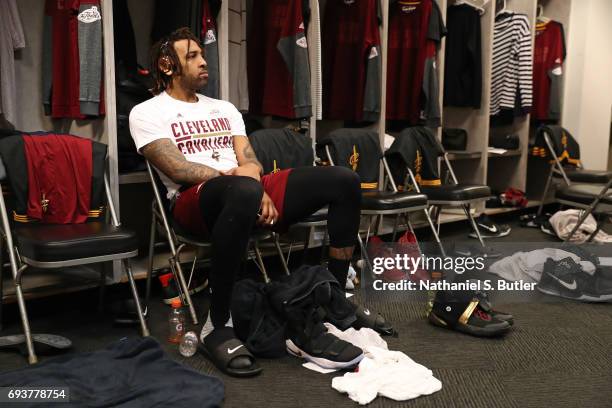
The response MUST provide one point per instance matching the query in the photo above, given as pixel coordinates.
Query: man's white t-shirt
(203, 131)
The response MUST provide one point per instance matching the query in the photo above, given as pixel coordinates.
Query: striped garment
(512, 63)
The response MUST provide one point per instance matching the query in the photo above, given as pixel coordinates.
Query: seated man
(199, 146)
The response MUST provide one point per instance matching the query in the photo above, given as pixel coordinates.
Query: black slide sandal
(222, 347)
(372, 320)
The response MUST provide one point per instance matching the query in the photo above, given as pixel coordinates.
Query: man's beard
(193, 84)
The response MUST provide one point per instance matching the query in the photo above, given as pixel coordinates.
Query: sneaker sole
(191, 292)
(484, 235)
(321, 362)
(583, 297)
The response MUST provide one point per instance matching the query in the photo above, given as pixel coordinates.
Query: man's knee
(346, 180)
(247, 192)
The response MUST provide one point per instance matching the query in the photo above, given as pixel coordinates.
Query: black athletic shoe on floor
(547, 228)
(462, 312)
(170, 291)
(485, 305)
(566, 279)
(326, 350)
(490, 229)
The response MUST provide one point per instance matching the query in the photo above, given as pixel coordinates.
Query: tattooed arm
(247, 161)
(165, 156)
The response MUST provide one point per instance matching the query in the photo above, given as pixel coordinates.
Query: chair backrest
(557, 143)
(356, 149)
(55, 178)
(417, 149)
(278, 149)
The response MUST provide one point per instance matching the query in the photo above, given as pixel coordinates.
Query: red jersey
(548, 57)
(277, 60)
(351, 57)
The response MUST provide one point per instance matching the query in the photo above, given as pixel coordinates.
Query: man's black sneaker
(485, 305)
(170, 291)
(462, 312)
(533, 220)
(477, 250)
(565, 278)
(326, 350)
(547, 228)
(490, 229)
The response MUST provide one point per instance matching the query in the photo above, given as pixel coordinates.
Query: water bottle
(176, 322)
(189, 344)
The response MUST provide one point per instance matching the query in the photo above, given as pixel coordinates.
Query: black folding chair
(418, 151)
(558, 143)
(359, 150)
(178, 239)
(278, 149)
(31, 243)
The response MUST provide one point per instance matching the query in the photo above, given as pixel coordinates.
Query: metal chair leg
(175, 266)
(548, 182)
(466, 208)
(32, 359)
(151, 254)
(260, 262)
(280, 254)
(395, 224)
(435, 233)
(1, 278)
(364, 255)
(143, 324)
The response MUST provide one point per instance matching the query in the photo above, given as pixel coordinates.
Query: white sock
(208, 326)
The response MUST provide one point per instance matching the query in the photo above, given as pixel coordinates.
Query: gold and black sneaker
(463, 312)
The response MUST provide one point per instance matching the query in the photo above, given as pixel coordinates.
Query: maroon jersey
(548, 57)
(406, 61)
(277, 60)
(351, 60)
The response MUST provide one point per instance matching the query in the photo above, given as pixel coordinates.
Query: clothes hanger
(502, 9)
(480, 8)
(540, 15)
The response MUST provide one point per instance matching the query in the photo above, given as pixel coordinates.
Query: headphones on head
(164, 50)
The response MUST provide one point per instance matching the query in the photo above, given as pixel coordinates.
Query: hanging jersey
(548, 57)
(202, 131)
(463, 61)
(351, 60)
(73, 87)
(211, 51)
(277, 59)
(415, 28)
(511, 77)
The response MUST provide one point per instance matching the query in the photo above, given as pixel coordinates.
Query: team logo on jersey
(418, 166)
(408, 9)
(210, 37)
(354, 159)
(301, 42)
(214, 112)
(275, 169)
(179, 115)
(90, 15)
(373, 53)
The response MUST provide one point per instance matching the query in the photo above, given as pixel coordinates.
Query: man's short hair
(164, 55)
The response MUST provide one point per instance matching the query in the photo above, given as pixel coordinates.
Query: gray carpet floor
(559, 354)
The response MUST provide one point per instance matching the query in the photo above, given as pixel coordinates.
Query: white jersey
(203, 131)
